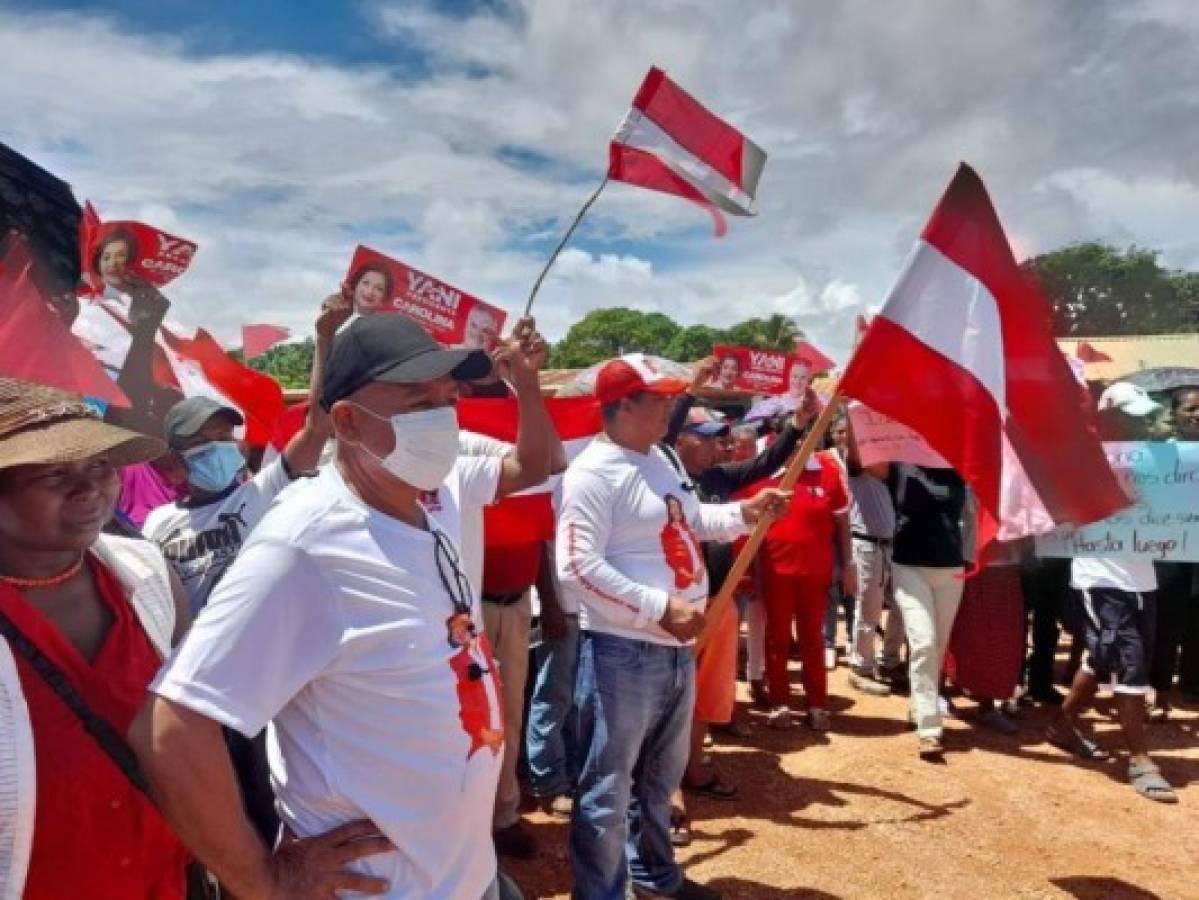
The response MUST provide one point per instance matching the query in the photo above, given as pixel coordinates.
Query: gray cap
(187, 417)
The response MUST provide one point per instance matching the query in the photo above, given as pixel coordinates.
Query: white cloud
(1082, 119)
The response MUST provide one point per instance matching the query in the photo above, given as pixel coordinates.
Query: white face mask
(426, 446)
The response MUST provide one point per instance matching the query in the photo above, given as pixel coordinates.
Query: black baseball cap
(188, 416)
(391, 347)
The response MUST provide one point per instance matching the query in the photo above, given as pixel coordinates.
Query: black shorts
(1117, 627)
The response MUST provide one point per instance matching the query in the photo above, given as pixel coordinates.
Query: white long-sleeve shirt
(620, 557)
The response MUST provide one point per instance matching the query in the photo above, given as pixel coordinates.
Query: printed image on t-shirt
(680, 546)
(480, 694)
(203, 556)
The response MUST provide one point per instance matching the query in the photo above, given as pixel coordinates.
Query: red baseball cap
(634, 373)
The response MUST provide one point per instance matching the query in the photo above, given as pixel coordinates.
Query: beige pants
(928, 599)
(507, 627)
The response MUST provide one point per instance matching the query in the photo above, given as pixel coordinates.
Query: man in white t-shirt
(1113, 606)
(349, 624)
(201, 534)
(629, 553)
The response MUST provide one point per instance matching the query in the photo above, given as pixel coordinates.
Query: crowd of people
(306, 676)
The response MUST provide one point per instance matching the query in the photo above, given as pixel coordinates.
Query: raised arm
(532, 459)
(304, 450)
(738, 475)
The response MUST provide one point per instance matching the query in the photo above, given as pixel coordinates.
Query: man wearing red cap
(636, 673)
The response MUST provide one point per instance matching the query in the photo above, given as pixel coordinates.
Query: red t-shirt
(511, 570)
(804, 541)
(95, 835)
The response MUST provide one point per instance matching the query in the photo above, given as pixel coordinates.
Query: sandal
(1076, 743)
(713, 789)
(1148, 782)
(680, 830)
(930, 748)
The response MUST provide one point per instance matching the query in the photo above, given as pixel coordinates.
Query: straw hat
(41, 425)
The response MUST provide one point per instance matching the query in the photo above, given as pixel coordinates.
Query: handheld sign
(378, 283)
(112, 254)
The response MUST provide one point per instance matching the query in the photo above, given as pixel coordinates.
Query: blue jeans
(634, 701)
(548, 735)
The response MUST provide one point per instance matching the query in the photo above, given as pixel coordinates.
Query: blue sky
(462, 137)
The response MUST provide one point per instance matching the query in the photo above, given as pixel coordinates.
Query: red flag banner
(1089, 354)
(669, 142)
(36, 344)
(963, 353)
(205, 368)
(258, 339)
(378, 283)
(112, 252)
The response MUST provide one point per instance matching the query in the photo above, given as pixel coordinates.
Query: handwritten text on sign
(1164, 525)
(881, 440)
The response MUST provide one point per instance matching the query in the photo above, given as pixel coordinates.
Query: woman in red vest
(85, 620)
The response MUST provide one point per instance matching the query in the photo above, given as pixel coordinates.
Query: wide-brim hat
(41, 425)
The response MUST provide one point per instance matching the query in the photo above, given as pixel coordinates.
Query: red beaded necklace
(52, 581)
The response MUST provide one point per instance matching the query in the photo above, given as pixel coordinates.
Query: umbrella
(1165, 378)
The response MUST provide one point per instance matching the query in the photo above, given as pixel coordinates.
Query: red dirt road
(857, 814)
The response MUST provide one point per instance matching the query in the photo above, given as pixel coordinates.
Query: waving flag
(668, 142)
(1089, 354)
(204, 368)
(35, 343)
(815, 361)
(145, 252)
(963, 353)
(258, 339)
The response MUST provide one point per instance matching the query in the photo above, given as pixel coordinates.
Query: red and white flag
(204, 368)
(963, 353)
(258, 339)
(669, 142)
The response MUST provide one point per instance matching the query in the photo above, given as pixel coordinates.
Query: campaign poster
(119, 254)
(378, 283)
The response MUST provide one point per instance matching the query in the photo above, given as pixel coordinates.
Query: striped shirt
(872, 512)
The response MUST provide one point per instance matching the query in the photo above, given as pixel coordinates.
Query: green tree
(776, 332)
(288, 364)
(1097, 289)
(693, 342)
(604, 333)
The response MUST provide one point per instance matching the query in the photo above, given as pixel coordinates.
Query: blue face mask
(213, 466)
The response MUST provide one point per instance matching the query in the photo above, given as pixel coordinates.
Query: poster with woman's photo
(760, 372)
(117, 256)
(378, 283)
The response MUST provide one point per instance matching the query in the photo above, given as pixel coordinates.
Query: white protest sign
(881, 440)
(1164, 525)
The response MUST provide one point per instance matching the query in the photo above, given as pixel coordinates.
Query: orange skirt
(716, 671)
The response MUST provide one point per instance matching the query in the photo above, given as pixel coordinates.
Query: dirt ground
(857, 814)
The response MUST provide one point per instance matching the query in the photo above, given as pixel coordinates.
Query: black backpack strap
(104, 734)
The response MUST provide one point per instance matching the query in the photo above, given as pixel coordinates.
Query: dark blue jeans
(548, 735)
(634, 702)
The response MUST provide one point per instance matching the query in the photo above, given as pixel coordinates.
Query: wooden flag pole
(562, 244)
(794, 469)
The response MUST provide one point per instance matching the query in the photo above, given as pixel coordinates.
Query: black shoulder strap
(103, 733)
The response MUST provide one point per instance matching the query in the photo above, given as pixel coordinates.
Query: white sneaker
(830, 658)
(779, 717)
